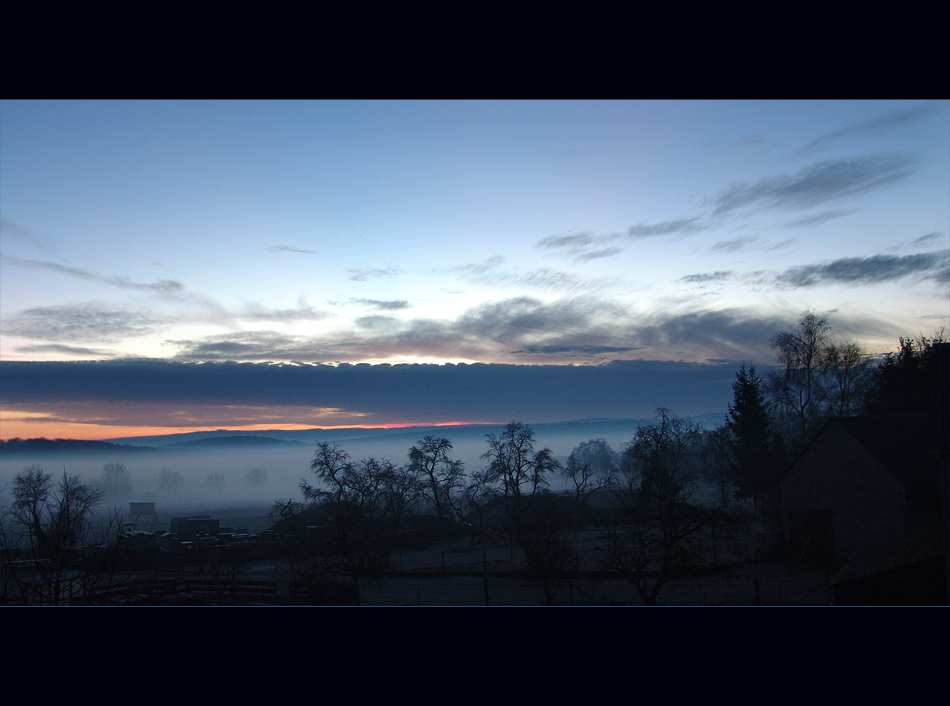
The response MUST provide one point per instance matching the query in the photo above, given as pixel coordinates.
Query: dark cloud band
(480, 392)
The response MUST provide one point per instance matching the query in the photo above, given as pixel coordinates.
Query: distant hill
(579, 427)
(231, 442)
(225, 438)
(46, 447)
(70, 446)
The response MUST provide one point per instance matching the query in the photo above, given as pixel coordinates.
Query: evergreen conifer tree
(752, 443)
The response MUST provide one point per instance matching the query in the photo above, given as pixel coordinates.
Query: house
(864, 482)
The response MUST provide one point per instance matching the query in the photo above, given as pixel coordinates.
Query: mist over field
(226, 469)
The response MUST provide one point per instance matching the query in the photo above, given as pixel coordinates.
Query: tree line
(772, 419)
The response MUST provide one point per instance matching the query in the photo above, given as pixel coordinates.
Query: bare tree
(440, 478)
(360, 505)
(475, 495)
(518, 470)
(591, 467)
(848, 369)
(800, 390)
(115, 480)
(50, 525)
(660, 453)
(659, 530)
(169, 481)
(255, 476)
(215, 481)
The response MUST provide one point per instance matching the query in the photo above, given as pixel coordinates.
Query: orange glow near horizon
(10, 429)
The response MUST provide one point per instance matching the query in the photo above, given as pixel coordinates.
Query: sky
(177, 266)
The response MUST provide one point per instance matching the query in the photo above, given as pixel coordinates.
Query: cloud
(479, 268)
(153, 392)
(520, 329)
(9, 229)
(877, 125)
(361, 274)
(674, 227)
(164, 286)
(597, 254)
(68, 350)
(576, 351)
(523, 329)
(717, 276)
(925, 240)
(574, 243)
(544, 279)
(80, 323)
(817, 184)
(382, 305)
(303, 312)
(869, 270)
(488, 331)
(782, 244)
(288, 248)
(377, 323)
(582, 245)
(734, 244)
(819, 218)
(97, 322)
(244, 345)
(579, 245)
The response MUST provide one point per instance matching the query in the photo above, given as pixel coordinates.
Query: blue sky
(541, 233)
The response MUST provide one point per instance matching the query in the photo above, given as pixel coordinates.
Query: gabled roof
(904, 444)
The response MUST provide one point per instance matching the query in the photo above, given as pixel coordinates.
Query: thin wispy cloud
(598, 254)
(575, 351)
(816, 184)
(877, 125)
(706, 277)
(14, 231)
(573, 243)
(868, 270)
(581, 246)
(98, 322)
(489, 272)
(67, 350)
(288, 248)
(543, 279)
(381, 304)
(163, 286)
(679, 226)
(587, 246)
(475, 269)
(362, 274)
(926, 240)
(302, 312)
(245, 345)
(819, 218)
(81, 323)
(735, 244)
(783, 244)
